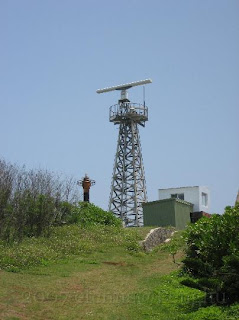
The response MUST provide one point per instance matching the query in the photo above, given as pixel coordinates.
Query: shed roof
(168, 200)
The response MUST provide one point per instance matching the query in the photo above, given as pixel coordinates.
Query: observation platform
(127, 111)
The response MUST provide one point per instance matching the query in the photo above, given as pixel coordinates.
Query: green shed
(168, 212)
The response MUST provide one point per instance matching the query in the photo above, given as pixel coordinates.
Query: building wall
(202, 207)
(167, 212)
(191, 194)
(182, 214)
(195, 216)
(159, 213)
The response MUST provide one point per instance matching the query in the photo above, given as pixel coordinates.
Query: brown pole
(86, 183)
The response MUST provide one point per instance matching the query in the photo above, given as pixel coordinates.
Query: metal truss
(128, 188)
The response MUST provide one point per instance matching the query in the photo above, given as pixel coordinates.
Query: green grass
(165, 298)
(65, 243)
(98, 273)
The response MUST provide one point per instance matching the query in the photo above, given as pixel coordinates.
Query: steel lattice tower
(128, 188)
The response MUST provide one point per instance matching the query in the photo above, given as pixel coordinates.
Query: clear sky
(55, 54)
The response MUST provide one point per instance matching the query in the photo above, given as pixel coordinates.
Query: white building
(199, 196)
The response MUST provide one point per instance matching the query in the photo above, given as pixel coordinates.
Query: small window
(178, 196)
(204, 199)
(181, 196)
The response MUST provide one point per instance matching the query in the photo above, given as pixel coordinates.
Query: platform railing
(128, 111)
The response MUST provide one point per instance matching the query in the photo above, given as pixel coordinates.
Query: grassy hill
(97, 272)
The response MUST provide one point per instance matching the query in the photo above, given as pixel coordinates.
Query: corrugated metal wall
(167, 212)
(182, 214)
(159, 213)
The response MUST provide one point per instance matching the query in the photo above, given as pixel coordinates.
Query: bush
(212, 255)
(32, 202)
(86, 214)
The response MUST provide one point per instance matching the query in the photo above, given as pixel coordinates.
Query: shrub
(212, 255)
(31, 201)
(88, 214)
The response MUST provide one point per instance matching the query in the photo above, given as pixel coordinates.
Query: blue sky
(55, 54)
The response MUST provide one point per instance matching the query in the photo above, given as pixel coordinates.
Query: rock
(157, 236)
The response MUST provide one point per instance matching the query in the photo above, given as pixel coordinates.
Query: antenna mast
(128, 188)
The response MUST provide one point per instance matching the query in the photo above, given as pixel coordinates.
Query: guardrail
(128, 111)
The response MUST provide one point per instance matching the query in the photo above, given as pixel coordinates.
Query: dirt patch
(73, 288)
(164, 265)
(14, 314)
(19, 288)
(120, 263)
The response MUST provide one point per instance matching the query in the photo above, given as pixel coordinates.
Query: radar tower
(128, 187)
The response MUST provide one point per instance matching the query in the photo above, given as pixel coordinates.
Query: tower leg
(128, 188)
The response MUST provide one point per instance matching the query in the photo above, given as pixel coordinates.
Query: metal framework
(128, 187)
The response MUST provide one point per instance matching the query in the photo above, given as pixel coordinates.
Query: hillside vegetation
(212, 256)
(64, 259)
(98, 272)
(32, 201)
